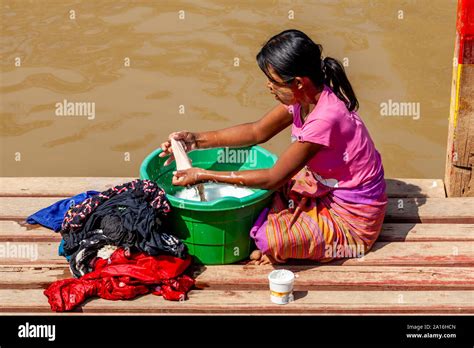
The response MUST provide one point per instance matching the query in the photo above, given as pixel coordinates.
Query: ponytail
(336, 78)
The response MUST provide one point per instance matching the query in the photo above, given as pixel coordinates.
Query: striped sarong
(306, 221)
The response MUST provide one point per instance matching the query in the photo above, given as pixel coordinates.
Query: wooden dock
(421, 264)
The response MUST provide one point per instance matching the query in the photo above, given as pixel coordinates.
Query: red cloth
(124, 276)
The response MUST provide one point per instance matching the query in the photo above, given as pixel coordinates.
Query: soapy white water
(214, 191)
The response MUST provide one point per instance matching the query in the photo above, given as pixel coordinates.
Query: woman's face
(285, 93)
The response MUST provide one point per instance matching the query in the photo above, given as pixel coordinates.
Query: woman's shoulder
(329, 108)
(330, 101)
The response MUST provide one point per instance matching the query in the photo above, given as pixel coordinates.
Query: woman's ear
(299, 82)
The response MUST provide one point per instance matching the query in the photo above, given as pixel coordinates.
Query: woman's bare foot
(255, 255)
(257, 258)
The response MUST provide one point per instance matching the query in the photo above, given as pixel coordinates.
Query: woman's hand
(188, 138)
(187, 177)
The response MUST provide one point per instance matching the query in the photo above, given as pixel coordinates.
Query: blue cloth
(52, 217)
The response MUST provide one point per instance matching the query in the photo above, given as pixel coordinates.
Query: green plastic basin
(215, 232)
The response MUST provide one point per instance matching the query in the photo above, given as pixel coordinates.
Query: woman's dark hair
(292, 53)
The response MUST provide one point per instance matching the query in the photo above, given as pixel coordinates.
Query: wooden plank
(430, 210)
(447, 254)
(258, 302)
(25, 277)
(30, 253)
(70, 186)
(424, 232)
(56, 186)
(19, 231)
(418, 254)
(399, 210)
(19, 208)
(239, 277)
(410, 188)
(349, 278)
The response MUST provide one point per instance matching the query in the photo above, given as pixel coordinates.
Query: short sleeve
(317, 131)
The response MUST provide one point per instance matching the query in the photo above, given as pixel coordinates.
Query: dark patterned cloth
(82, 261)
(146, 189)
(128, 215)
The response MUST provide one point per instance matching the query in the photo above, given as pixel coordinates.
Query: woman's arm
(242, 135)
(292, 160)
(248, 133)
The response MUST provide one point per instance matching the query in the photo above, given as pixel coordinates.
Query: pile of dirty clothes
(118, 246)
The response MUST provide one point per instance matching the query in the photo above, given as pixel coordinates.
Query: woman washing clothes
(330, 196)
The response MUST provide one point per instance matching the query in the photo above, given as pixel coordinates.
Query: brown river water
(148, 68)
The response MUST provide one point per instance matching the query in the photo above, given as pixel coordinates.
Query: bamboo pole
(459, 179)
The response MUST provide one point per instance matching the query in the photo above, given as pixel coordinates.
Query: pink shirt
(349, 162)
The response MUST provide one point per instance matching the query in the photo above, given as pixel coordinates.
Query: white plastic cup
(281, 286)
